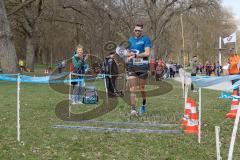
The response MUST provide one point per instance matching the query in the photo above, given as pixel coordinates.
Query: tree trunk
(8, 58)
(45, 57)
(30, 54)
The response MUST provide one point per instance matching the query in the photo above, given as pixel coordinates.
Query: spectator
(167, 70)
(193, 68)
(59, 66)
(208, 68)
(152, 66)
(160, 69)
(21, 65)
(218, 69)
(111, 70)
(172, 70)
(79, 67)
(213, 69)
(234, 60)
(200, 68)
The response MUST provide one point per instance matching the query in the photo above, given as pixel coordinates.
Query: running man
(137, 66)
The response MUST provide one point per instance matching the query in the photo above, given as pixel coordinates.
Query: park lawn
(41, 141)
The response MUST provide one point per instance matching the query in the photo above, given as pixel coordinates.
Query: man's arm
(147, 48)
(74, 61)
(145, 54)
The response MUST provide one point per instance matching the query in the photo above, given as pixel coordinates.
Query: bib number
(137, 61)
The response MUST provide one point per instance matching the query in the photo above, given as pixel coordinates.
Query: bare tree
(54, 27)
(27, 18)
(8, 58)
(160, 13)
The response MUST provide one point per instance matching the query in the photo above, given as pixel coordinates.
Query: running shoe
(134, 112)
(79, 102)
(74, 103)
(142, 109)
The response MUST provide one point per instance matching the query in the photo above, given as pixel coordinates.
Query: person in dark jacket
(193, 67)
(111, 71)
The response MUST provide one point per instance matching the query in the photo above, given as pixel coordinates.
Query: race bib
(137, 61)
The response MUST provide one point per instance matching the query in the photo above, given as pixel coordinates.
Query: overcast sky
(234, 5)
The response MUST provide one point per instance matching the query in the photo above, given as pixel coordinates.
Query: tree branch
(71, 7)
(21, 6)
(62, 20)
(165, 8)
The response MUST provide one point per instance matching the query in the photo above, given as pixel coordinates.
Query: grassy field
(41, 141)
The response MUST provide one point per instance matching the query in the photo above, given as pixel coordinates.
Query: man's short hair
(79, 46)
(139, 25)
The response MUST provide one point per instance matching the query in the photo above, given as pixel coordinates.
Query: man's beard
(138, 35)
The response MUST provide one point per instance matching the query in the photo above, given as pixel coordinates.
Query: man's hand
(130, 53)
(130, 57)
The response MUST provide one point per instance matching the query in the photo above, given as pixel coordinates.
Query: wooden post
(218, 143)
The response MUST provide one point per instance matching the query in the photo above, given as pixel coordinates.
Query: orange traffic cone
(187, 112)
(234, 106)
(192, 124)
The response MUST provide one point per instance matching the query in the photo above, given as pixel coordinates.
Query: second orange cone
(192, 123)
(234, 106)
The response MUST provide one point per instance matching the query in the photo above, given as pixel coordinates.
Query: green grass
(41, 141)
